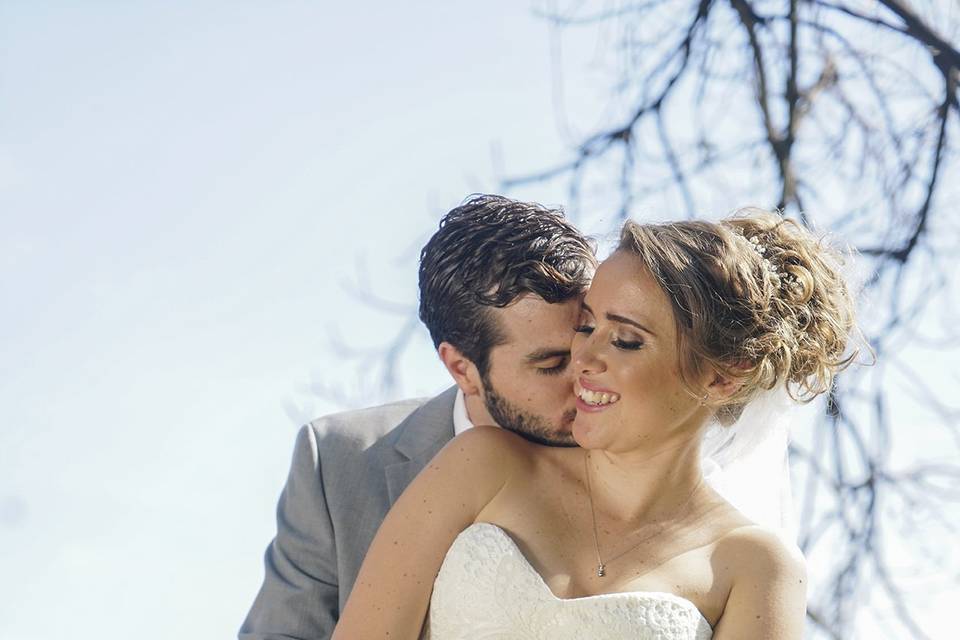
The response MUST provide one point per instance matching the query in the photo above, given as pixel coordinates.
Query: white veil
(747, 462)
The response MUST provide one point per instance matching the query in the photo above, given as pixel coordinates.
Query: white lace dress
(487, 589)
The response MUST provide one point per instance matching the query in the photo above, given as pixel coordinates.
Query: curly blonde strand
(757, 298)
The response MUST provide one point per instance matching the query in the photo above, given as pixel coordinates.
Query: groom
(500, 287)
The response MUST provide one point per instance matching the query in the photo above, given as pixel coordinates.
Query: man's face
(528, 388)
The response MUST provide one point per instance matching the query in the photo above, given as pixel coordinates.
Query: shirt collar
(461, 421)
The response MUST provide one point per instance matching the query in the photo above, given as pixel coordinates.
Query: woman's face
(627, 376)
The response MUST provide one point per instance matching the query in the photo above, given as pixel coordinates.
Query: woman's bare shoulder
(488, 451)
(486, 440)
(760, 555)
(767, 591)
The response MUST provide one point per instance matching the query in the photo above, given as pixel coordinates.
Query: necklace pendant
(601, 570)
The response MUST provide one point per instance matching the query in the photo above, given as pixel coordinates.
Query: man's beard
(526, 425)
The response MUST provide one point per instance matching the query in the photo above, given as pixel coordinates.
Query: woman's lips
(583, 407)
(583, 383)
(591, 398)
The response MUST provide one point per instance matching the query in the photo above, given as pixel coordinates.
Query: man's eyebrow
(545, 354)
(621, 319)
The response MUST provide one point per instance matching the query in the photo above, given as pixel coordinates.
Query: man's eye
(584, 328)
(554, 370)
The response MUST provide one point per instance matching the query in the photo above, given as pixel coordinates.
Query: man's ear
(461, 368)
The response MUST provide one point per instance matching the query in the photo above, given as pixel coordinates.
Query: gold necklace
(601, 565)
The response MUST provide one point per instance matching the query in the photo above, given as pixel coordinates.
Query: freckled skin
(654, 406)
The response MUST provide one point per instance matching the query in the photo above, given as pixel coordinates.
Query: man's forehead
(535, 329)
(530, 304)
(532, 313)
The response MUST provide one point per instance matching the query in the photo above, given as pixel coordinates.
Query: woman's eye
(587, 329)
(630, 345)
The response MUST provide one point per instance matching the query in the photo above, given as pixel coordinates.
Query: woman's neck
(645, 485)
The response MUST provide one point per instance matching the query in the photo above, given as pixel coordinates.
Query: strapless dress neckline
(635, 594)
(487, 588)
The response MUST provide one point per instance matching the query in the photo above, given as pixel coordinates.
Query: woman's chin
(584, 430)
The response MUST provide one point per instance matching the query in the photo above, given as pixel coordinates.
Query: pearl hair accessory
(785, 278)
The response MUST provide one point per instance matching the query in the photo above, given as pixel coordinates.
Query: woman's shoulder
(487, 433)
(489, 450)
(767, 585)
(760, 555)
(492, 440)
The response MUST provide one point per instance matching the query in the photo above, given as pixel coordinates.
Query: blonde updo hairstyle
(756, 298)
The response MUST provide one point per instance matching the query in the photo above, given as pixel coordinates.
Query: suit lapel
(419, 438)
(400, 475)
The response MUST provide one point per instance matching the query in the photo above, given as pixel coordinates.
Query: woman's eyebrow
(613, 317)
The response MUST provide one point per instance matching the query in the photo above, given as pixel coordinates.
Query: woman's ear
(461, 369)
(722, 387)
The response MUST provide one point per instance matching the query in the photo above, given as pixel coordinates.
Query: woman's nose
(585, 357)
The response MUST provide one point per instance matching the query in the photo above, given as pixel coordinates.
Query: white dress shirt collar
(461, 421)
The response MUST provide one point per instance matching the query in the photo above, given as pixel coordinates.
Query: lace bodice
(487, 589)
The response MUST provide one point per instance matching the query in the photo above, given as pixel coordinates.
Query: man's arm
(299, 596)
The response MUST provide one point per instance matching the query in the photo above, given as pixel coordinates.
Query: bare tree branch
(844, 100)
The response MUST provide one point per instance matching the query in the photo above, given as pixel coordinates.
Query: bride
(683, 326)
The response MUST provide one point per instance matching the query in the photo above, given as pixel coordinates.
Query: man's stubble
(525, 424)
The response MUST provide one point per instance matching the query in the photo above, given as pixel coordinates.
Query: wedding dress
(487, 589)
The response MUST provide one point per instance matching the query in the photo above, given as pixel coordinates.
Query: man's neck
(477, 411)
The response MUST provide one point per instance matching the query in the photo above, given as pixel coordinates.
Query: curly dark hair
(487, 253)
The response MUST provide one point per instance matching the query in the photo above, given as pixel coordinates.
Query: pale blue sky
(184, 190)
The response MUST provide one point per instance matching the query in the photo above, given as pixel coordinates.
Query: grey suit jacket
(347, 470)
